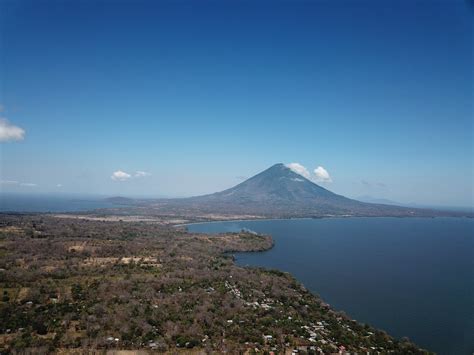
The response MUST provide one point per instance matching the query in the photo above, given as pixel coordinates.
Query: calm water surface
(45, 203)
(412, 277)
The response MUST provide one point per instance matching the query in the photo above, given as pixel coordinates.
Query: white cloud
(299, 169)
(141, 174)
(29, 184)
(120, 175)
(9, 132)
(59, 185)
(321, 175)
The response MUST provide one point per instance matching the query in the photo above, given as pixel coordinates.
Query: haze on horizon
(162, 98)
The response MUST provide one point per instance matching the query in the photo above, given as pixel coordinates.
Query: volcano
(280, 192)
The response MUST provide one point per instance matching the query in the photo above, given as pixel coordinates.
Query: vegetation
(78, 285)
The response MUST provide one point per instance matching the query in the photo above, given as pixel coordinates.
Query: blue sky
(201, 94)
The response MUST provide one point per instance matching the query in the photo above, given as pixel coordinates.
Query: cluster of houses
(316, 336)
(266, 303)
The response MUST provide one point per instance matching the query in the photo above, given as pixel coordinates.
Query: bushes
(77, 292)
(183, 341)
(38, 324)
(5, 297)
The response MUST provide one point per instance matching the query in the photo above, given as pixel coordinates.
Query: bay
(411, 277)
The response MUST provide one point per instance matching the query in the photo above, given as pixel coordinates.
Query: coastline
(311, 218)
(265, 264)
(109, 264)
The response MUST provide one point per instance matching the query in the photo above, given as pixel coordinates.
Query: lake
(411, 277)
(51, 203)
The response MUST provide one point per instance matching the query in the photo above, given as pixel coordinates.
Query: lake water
(412, 277)
(47, 203)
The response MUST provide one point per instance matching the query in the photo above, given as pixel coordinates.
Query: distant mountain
(371, 199)
(280, 192)
(278, 187)
(119, 200)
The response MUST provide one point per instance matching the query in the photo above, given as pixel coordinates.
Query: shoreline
(261, 264)
(314, 294)
(311, 218)
(201, 268)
